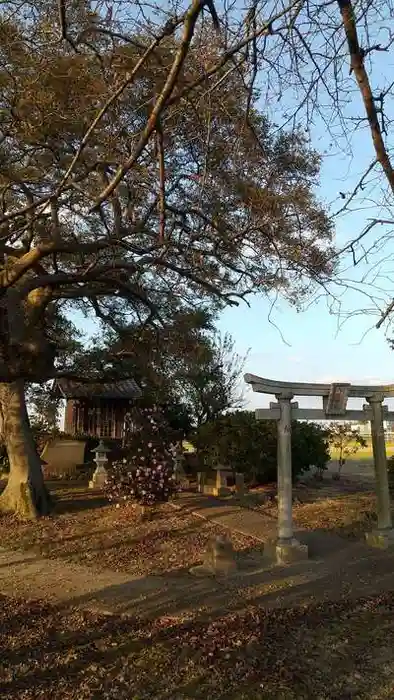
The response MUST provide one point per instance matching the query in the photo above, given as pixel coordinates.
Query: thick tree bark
(25, 493)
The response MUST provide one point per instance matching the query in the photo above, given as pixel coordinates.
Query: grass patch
(364, 453)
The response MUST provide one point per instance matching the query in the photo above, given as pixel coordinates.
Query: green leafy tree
(44, 409)
(249, 446)
(184, 363)
(346, 441)
(210, 382)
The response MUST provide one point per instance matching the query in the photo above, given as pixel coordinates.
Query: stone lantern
(100, 474)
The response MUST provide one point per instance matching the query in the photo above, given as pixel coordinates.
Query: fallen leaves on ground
(325, 651)
(349, 515)
(102, 535)
(85, 529)
(344, 508)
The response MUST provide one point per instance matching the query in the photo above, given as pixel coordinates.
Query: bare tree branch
(189, 26)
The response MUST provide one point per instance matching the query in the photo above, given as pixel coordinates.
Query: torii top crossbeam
(272, 386)
(335, 397)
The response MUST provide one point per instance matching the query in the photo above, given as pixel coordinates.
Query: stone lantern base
(99, 478)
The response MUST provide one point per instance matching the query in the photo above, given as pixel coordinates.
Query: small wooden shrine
(97, 410)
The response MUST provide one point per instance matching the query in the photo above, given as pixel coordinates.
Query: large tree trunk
(25, 494)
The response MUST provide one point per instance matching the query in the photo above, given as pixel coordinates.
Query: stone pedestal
(288, 548)
(99, 478)
(179, 473)
(218, 485)
(219, 559)
(221, 488)
(383, 536)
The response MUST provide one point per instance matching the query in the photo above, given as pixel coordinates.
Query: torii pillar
(383, 536)
(288, 549)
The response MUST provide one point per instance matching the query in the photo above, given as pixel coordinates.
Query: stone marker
(180, 476)
(239, 484)
(179, 471)
(200, 482)
(219, 559)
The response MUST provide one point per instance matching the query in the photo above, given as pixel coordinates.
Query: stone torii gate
(335, 397)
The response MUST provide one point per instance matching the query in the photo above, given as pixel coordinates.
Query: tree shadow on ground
(150, 541)
(74, 497)
(72, 503)
(335, 571)
(333, 650)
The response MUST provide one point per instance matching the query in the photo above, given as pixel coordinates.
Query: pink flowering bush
(146, 473)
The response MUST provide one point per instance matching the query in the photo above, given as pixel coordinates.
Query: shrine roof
(124, 389)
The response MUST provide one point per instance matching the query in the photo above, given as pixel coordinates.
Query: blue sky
(315, 351)
(319, 345)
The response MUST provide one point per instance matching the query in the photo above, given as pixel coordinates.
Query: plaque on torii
(334, 405)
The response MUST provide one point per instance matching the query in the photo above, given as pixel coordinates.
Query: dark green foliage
(183, 365)
(4, 461)
(249, 446)
(44, 407)
(178, 417)
(309, 446)
(390, 469)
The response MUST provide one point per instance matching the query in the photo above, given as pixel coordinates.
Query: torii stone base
(381, 539)
(289, 552)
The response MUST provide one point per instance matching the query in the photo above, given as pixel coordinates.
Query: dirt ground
(321, 630)
(326, 651)
(85, 529)
(345, 507)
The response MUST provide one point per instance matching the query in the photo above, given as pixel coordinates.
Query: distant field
(366, 453)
